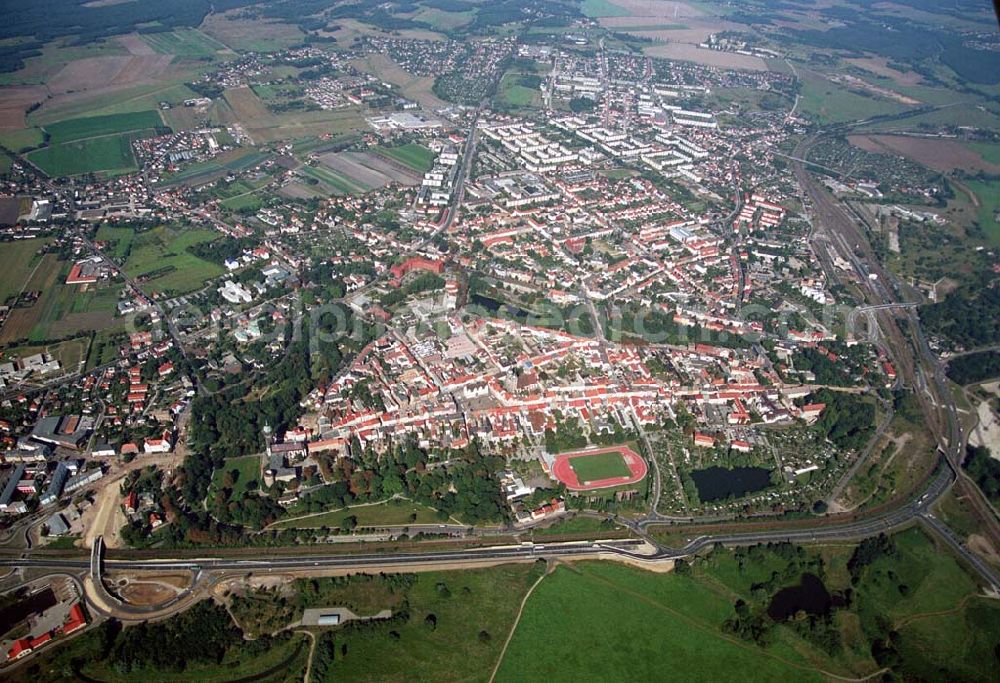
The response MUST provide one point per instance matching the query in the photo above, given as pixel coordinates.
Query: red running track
(563, 471)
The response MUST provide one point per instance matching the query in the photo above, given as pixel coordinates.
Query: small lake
(719, 483)
(810, 596)
(496, 307)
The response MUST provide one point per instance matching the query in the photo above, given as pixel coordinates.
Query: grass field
(651, 621)
(248, 468)
(17, 260)
(119, 240)
(61, 310)
(465, 604)
(988, 193)
(242, 201)
(161, 256)
(609, 622)
(184, 42)
(828, 102)
(390, 513)
(599, 467)
(515, 94)
(110, 154)
(411, 155)
(93, 126)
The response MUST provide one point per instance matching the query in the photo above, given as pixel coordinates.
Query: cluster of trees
(848, 420)
(968, 316)
(825, 370)
(976, 367)
(425, 282)
(465, 487)
(984, 470)
(867, 552)
(200, 635)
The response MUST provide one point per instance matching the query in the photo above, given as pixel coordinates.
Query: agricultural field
(21, 140)
(17, 262)
(94, 126)
(110, 155)
(184, 42)
(160, 260)
(649, 621)
(390, 513)
(596, 9)
(206, 171)
(938, 154)
(337, 182)
(412, 155)
(247, 34)
(61, 310)
(248, 201)
(417, 88)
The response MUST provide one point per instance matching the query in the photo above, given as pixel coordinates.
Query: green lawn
(93, 126)
(599, 466)
(185, 42)
(247, 469)
(161, 256)
(390, 513)
(576, 525)
(609, 622)
(415, 156)
(108, 154)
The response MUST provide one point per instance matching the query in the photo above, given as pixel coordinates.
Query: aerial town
(476, 293)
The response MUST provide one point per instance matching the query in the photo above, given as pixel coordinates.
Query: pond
(719, 483)
(496, 307)
(810, 596)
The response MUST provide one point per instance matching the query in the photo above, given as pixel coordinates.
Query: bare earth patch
(987, 432)
(14, 101)
(936, 153)
(416, 88)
